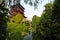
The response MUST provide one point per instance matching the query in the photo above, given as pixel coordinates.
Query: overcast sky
(30, 12)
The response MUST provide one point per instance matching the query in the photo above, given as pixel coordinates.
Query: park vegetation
(46, 27)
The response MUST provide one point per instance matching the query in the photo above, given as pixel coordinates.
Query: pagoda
(18, 8)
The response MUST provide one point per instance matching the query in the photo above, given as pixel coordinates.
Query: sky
(30, 12)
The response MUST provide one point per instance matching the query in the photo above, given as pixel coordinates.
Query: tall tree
(35, 21)
(56, 18)
(43, 27)
(3, 25)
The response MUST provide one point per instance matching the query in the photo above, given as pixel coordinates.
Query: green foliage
(3, 26)
(43, 28)
(49, 25)
(7, 18)
(27, 23)
(35, 20)
(56, 11)
(18, 18)
(18, 27)
(15, 30)
(3, 23)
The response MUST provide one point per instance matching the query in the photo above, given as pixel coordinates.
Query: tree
(35, 21)
(15, 30)
(43, 29)
(55, 17)
(3, 25)
(56, 13)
